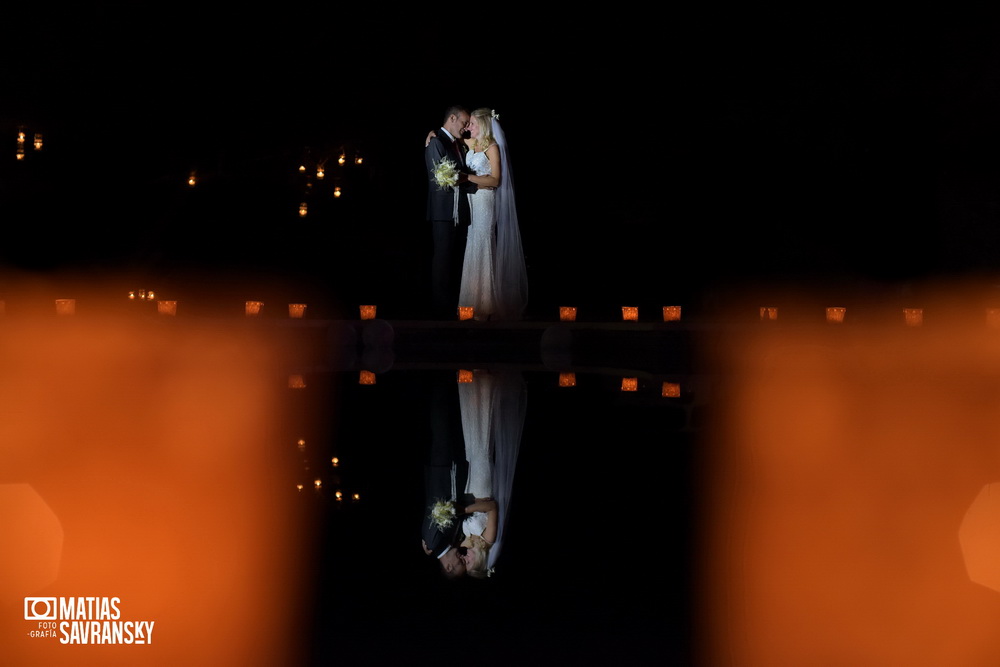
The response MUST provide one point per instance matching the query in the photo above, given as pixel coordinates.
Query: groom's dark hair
(453, 111)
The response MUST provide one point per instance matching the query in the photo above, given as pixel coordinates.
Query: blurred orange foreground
(138, 461)
(854, 502)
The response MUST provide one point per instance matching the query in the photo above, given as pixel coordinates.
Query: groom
(449, 233)
(446, 470)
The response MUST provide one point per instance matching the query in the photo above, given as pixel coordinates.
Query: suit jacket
(447, 450)
(441, 201)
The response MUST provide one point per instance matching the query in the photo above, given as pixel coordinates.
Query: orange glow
(671, 313)
(567, 379)
(296, 381)
(368, 312)
(914, 317)
(335, 461)
(465, 313)
(993, 318)
(768, 313)
(630, 384)
(567, 313)
(296, 310)
(366, 377)
(166, 307)
(303, 209)
(671, 390)
(253, 308)
(853, 514)
(65, 306)
(465, 376)
(630, 313)
(100, 499)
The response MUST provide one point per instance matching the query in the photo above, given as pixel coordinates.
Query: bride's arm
(493, 179)
(492, 519)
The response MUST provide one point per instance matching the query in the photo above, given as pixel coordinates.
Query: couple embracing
(478, 260)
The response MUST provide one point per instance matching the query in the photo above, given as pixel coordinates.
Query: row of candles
(834, 314)
(667, 389)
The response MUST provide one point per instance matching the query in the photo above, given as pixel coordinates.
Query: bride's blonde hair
(478, 567)
(485, 120)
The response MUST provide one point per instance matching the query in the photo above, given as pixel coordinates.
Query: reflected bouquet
(443, 514)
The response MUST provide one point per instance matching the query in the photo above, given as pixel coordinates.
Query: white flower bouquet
(443, 514)
(446, 173)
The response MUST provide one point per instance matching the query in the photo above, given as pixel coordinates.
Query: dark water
(597, 564)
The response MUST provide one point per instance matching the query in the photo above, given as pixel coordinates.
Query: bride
(494, 277)
(492, 408)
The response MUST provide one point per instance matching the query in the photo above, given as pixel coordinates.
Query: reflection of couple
(477, 475)
(493, 276)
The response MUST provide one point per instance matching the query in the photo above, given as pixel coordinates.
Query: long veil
(510, 279)
(508, 407)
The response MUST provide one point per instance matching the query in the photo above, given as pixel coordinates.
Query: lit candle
(630, 384)
(296, 310)
(303, 209)
(567, 313)
(835, 315)
(914, 317)
(567, 379)
(335, 461)
(671, 390)
(768, 313)
(166, 307)
(671, 313)
(465, 312)
(630, 313)
(366, 377)
(336, 191)
(465, 376)
(368, 312)
(296, 381)
(253, 308)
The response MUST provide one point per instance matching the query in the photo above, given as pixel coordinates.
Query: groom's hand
(423, 543)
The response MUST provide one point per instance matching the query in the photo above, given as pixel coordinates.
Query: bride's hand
(430, 135)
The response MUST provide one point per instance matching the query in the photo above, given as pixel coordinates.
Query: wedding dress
(477, 269)
(492, 408)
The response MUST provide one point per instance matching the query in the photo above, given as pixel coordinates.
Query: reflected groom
(448, 229)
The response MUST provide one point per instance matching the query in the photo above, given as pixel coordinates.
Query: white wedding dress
(476, 404)
(477, 269)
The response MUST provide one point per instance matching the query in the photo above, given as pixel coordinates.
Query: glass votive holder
(253, 308)
(366, 377)
(768, 313)
(296, 381)
(671, 390)
(671, 313)
(367, 312)
(297, 310)
(630, 384)
(464, 376)
(630, 313)
(166, 307)
(567, 379)
(567, 314)
(914, 317)
(465, 313)
(835, 315)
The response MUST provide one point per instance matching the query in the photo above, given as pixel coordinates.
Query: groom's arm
(432, 156)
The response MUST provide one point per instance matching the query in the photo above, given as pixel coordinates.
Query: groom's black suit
(447, 450)
(449, 238)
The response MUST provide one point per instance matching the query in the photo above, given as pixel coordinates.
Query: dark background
(656, 161)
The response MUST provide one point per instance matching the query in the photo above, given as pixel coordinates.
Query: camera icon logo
(40, 609)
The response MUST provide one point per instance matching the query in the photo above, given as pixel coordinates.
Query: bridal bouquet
(445, 173)
(443, 514)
